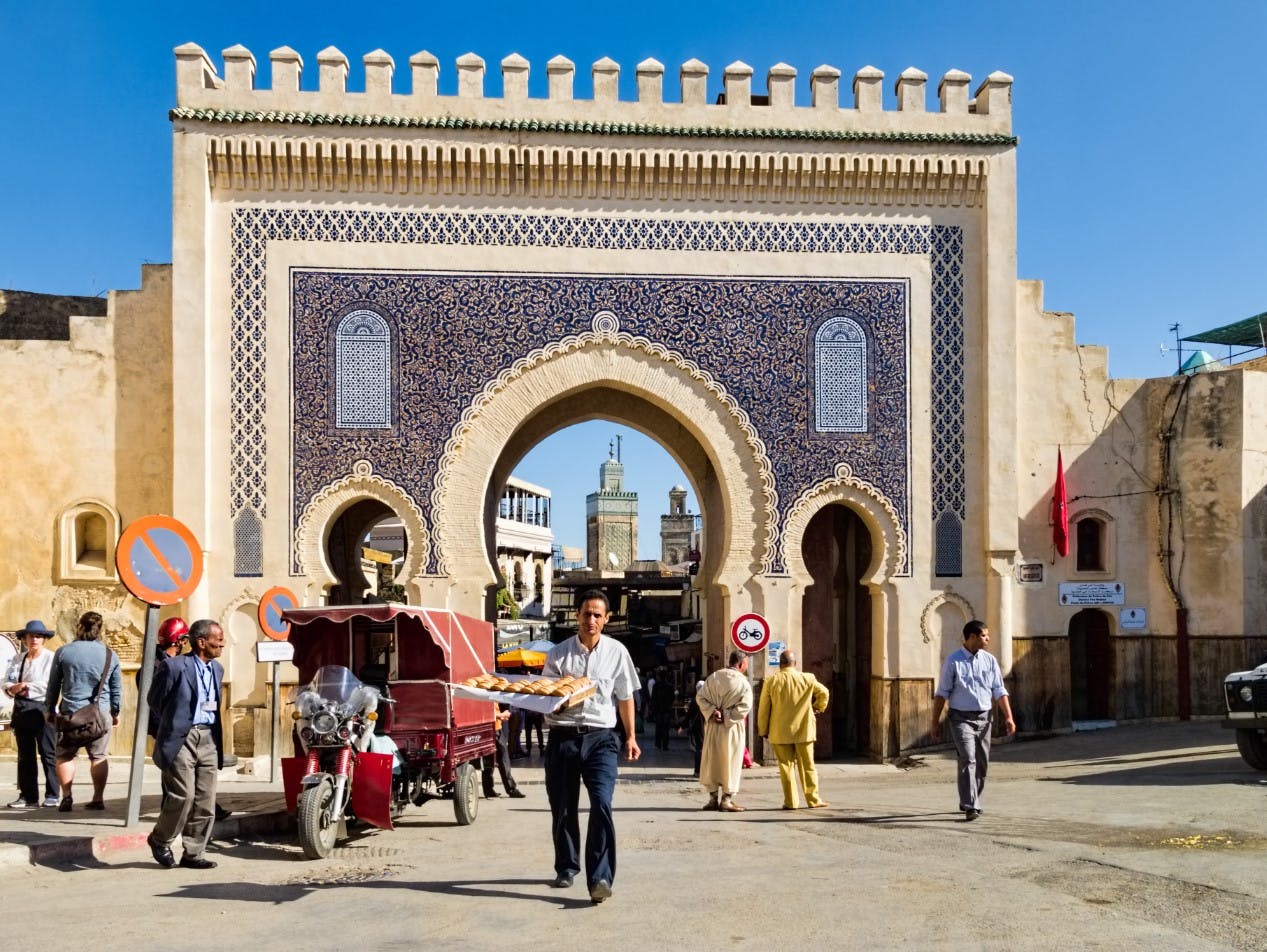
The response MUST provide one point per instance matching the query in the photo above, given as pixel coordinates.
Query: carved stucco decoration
(930, 610)
(248, 596)
(606, 333)
(324, 507)
(873, 507)
(121, 628)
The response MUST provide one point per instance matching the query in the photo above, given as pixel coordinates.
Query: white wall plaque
(1092, 593)
(1133, 619)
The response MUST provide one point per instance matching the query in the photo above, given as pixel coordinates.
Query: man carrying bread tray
(584, 747)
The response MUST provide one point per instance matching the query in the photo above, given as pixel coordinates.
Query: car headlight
(1247, 693)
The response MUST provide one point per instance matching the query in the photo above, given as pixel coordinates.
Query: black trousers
(502, 761)
(37, 741)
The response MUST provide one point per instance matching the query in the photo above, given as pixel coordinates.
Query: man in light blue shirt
(970, 683)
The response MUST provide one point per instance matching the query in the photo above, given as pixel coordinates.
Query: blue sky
(1141, 125)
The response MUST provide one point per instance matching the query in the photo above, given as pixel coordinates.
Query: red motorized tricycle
(377, 726)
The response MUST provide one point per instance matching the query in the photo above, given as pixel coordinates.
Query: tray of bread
(526, 690)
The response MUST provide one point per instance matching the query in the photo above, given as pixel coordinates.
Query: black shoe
(563, 880)
(599, 891)
(195, 862)
(66, 805)
(162, 853)
(222, 813)
(489, 794)
(971, 815)
(516, 794)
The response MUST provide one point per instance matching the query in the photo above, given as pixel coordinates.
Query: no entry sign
(159, 560)
(275, 601)
(750, 632)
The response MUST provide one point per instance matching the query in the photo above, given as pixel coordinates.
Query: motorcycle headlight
(325, 723)
(1247, 693)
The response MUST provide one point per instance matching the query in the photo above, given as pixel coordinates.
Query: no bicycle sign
(750, 632)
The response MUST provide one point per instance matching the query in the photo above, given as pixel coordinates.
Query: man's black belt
(567, 731)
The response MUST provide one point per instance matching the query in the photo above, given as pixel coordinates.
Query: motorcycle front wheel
(317, 828)
(466, 794)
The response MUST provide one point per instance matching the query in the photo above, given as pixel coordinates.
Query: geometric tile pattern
(840, 377)
(253, 227)
(362, 371)
(948, 400)
(457, 332)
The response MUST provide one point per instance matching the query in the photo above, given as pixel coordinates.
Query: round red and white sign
(750, 632)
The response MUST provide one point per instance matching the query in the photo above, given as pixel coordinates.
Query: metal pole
(274, 732)
(136, 778)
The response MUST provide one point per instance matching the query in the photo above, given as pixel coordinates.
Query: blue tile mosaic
(883, 462)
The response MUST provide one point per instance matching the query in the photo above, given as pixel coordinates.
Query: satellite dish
(613, 559)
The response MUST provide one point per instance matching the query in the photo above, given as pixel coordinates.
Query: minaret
(611, 518)
(676, 529)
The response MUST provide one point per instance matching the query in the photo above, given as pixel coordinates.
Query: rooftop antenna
(617, 447)
(1174, 329)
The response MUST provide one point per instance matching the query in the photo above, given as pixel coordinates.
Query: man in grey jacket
(76, 670)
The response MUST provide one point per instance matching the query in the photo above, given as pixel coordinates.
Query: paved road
(1152, 836)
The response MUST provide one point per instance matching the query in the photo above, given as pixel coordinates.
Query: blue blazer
(173, 700)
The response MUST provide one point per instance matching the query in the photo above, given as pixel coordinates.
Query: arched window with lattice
(362, 372)
(840, 377)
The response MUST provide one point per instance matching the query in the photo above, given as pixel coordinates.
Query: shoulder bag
(89, 722)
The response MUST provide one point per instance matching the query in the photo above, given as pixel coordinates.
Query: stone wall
(25, 315)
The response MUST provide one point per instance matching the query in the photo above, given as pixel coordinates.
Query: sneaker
(52, 801)
(20, 804)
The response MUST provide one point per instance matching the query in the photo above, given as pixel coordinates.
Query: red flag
(1060, 510)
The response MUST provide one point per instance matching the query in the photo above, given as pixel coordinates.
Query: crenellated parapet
(662, 106)
(737, 145)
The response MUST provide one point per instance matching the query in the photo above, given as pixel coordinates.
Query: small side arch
(327, 505)
(87, 536)
(872, 506)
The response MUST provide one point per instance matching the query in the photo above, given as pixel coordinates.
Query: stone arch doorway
(1091, 666)
(322, 516)
(836, 626)
(353, 584)
(612, 376)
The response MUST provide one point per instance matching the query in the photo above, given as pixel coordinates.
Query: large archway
(609, 375)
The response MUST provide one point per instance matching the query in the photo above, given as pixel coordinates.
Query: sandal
(95, 805)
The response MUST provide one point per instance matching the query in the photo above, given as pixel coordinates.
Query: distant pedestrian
(662, 697)
(693, 724)
(188, 746)
(73, 684)
(785, 714)
(500, 760)
(970, 683)
(26, 681)
(534, 723)
(724, 700)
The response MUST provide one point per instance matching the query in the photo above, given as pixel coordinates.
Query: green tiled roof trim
(587, 128)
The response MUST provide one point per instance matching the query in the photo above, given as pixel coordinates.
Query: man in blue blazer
(188, 743)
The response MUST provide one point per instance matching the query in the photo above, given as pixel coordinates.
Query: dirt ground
(1147, 836)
